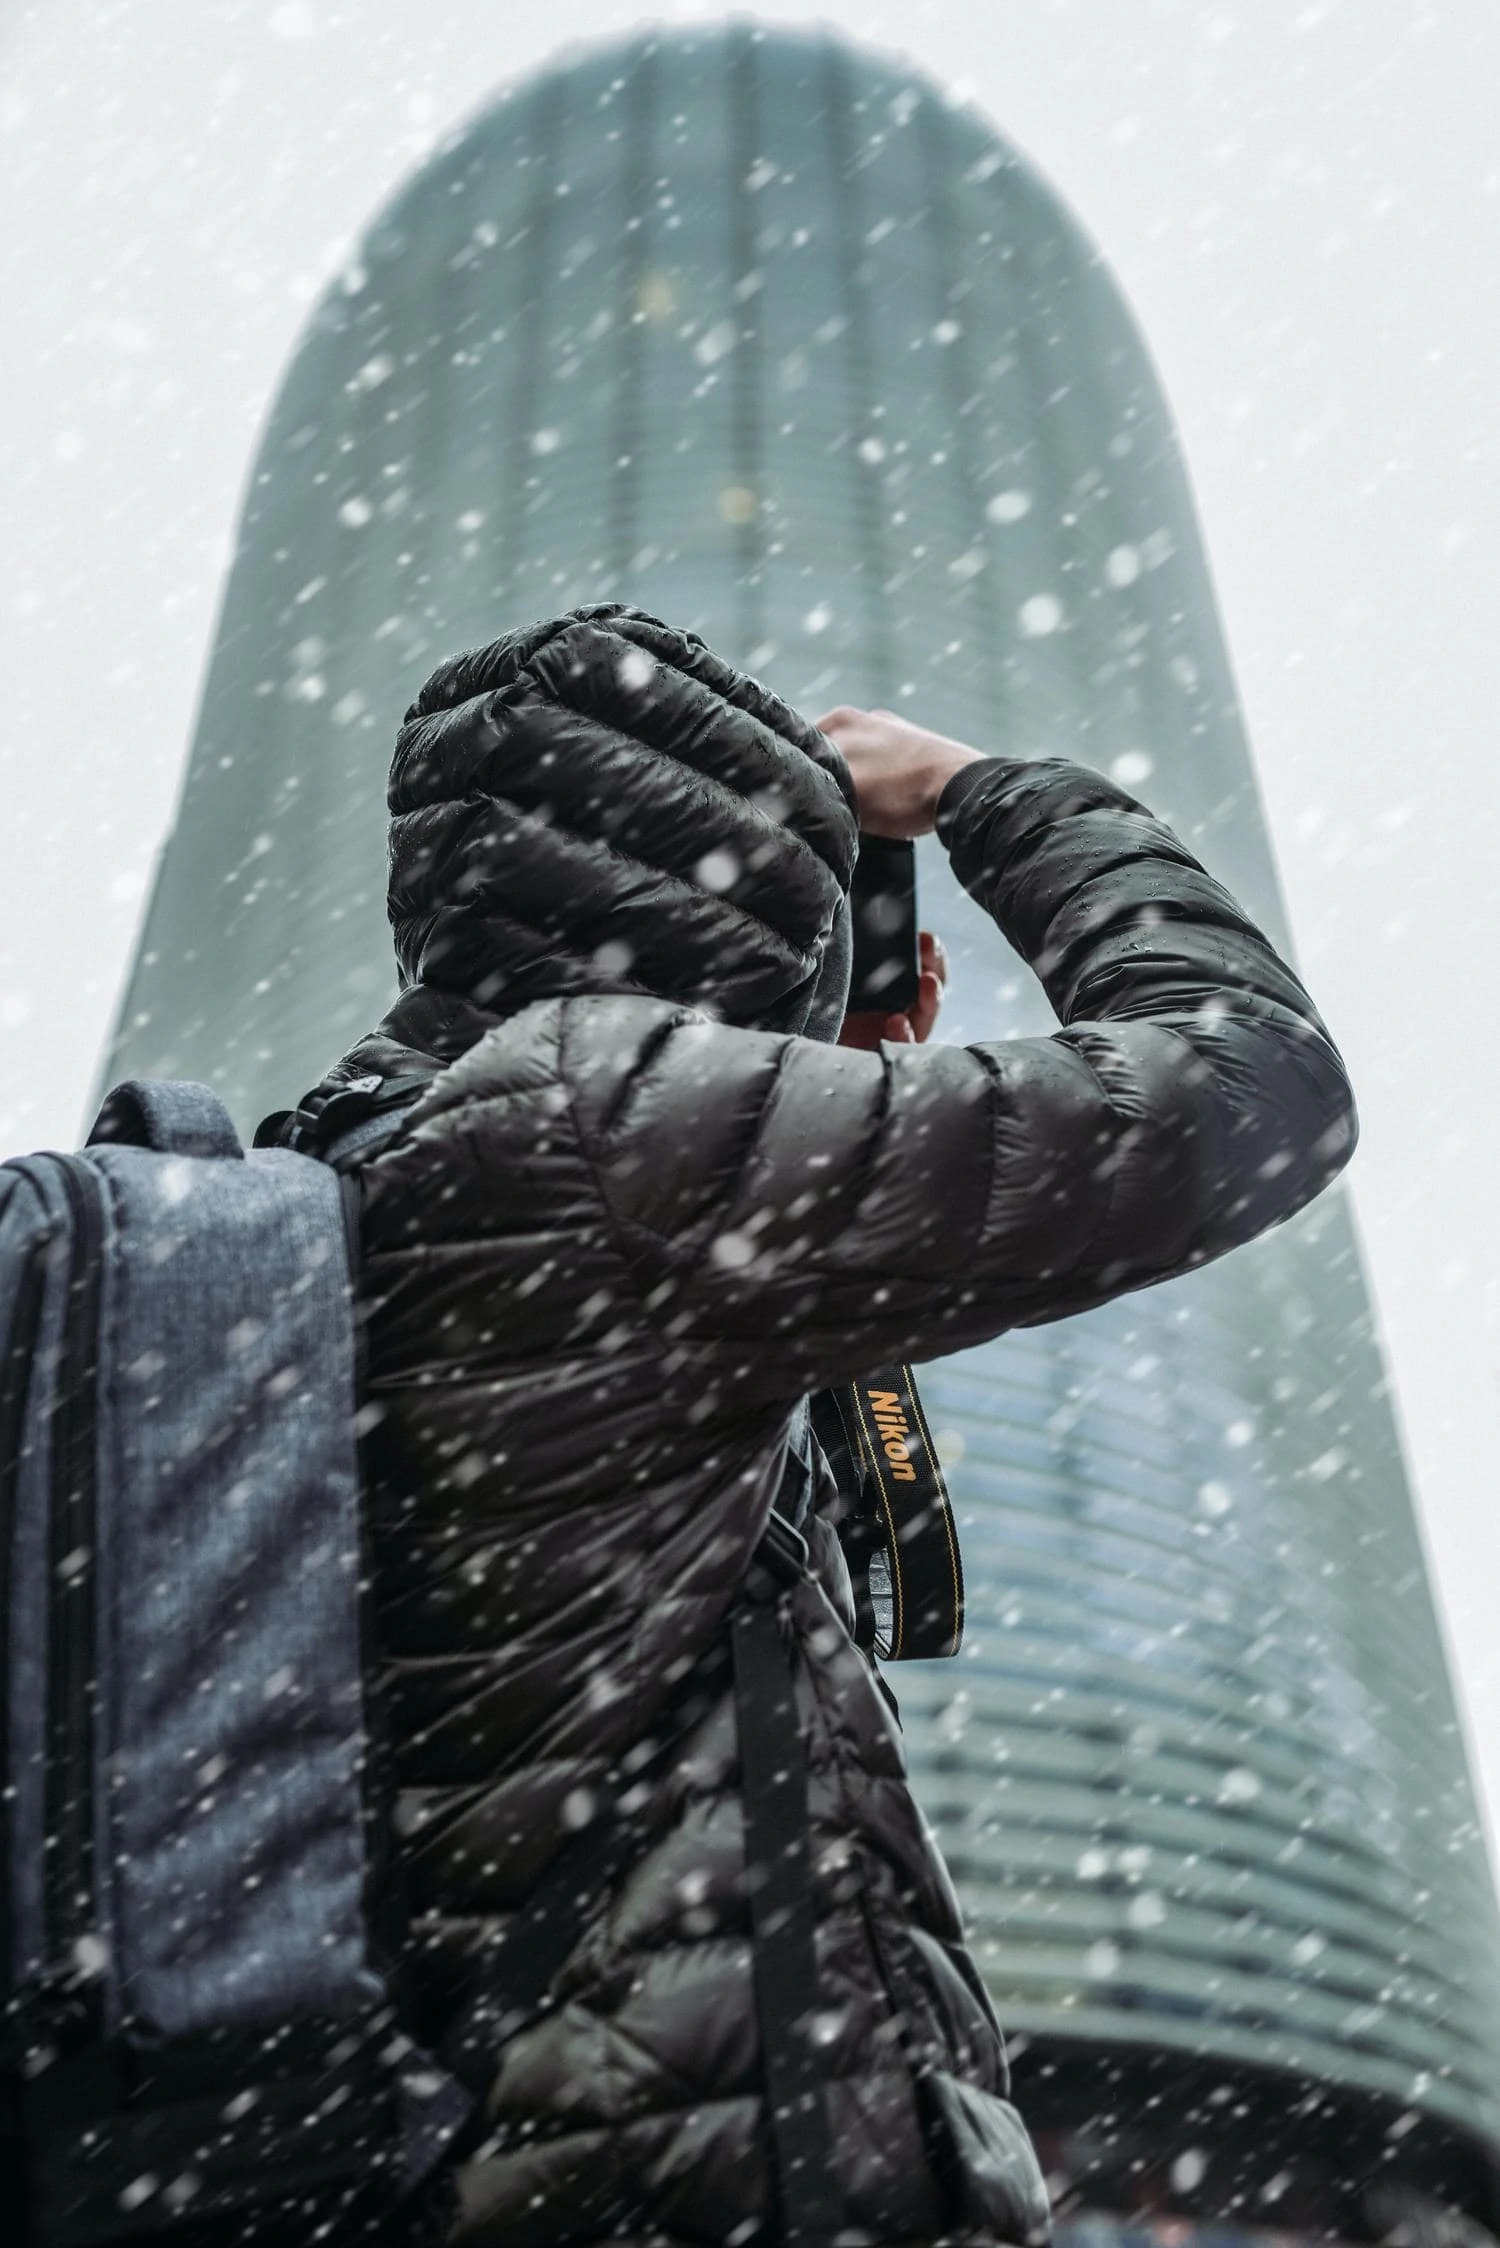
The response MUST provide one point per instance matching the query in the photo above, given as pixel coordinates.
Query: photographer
(646, 1204)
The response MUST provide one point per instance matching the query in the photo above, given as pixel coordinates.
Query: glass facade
(762, 333)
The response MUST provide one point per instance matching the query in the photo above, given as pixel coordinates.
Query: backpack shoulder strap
(172, 1116)
(346, 1127)
(778, 1878)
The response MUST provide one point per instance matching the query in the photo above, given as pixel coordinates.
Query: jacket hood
(599, 803)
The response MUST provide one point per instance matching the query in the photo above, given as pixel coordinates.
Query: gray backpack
(201, 2036)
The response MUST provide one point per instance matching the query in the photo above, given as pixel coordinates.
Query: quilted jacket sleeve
(802, 1212)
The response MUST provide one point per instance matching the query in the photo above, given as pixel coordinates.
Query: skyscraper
(763, 334)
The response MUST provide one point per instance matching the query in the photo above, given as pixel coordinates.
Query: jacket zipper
(71, 1682)
(14, 1384)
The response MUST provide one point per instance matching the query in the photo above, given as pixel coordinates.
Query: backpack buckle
(783, 1550)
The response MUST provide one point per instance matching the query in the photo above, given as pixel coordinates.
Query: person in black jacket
(642, 1207)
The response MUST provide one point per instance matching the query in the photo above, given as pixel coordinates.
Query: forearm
(1110, 909)
(1124, 928)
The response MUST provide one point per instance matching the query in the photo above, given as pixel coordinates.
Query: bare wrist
(947, 759)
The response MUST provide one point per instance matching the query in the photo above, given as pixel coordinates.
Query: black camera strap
(907, 1514)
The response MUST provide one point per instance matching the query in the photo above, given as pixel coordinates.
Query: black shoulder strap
(907, 1508)
(783, 1918)
(345, 1127)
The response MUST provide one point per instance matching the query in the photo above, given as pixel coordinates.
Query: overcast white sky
(1303, 203)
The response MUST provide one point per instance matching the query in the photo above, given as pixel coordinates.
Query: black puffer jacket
(616, 1243)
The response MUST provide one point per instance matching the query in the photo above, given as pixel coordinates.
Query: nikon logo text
(895, 1436)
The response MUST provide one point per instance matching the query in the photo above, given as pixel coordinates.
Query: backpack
(201, 2034)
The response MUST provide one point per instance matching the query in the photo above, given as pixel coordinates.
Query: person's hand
(914, 1025)
(899, 770)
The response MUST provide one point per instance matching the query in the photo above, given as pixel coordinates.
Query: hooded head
(601, 804)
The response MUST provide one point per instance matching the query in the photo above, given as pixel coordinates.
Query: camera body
(883, 920)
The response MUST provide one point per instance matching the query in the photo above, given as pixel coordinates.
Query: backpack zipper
(71, 1682)
(14, 1383)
